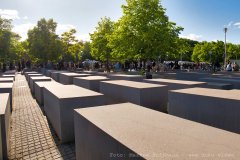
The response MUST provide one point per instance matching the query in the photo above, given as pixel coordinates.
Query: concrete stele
(127, 130)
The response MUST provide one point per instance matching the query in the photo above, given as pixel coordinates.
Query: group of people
(232, 66)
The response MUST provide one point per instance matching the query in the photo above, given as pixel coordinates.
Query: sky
(202, 20)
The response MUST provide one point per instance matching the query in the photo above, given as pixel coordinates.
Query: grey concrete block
(67, 78)
(7, 88)
(137, 78)
(6, 80)
(8, 76)
(215, 85)
(33, 75)
(176, 84)
(128, 131)
(55, 75)
(214, 107)
(234, 81)
(49, 72)
(191, 76)
(5, 117)
(10, 72)
(148, 95)
(35, 79)
(90, 82)
(39, 90)
(30, 72)
(59, 103)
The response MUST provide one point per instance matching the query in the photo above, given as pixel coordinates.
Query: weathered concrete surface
(5, 116)
(55, 75)
(31, 72)
(35, 79)
(137, 78)
(216, 85)
(90, 82)
(67, 78)
(39, 90)
(152, 96)
(214, 107)
(234, 81)
(8, 76)
(7, 88)
(59, 103)
(49, 72)
(191, 76)
(10, 72)
(33, 75)
(6, 80)
(128, 131)
(176, 84)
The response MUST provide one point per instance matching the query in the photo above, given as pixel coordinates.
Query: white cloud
(22, 29)
(230, 24)
(64, 27)
(25, 17)
(9, 14)
(237, 24)
(83, 37)
(194, 37)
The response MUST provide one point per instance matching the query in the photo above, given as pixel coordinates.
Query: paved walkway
(31, 135)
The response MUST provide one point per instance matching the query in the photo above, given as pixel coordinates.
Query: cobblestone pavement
(31, 135)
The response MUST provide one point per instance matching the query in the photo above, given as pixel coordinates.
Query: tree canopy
(43, 42)
(144, 31)
(9, 41)
(99, 46)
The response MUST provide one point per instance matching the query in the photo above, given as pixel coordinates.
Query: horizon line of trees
(144, 32)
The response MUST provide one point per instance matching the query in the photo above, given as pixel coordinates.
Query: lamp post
(225, 47)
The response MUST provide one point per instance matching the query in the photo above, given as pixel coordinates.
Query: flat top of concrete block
(35, 74)
(126, 75)
(133, 84)
(93, 78)
(222, 79)
(197, 73)
(59, 72)
(2, 79)
(51, 70)
(6, 85)
(175, 81)
(30, 72)
(46, 83)
(8, 75)
(3, 103)
(90, 72)
(217, 74)
(70, 91)
(218, 93)
(149, 132)
(218, 84)
(75, 74)
(40, 77)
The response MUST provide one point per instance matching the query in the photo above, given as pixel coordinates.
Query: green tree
(143, 32)
(71, 47)
(5, 38)
(43, 42)
(184, 49)
(208, 52)
(100, 42)
(86, 51)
